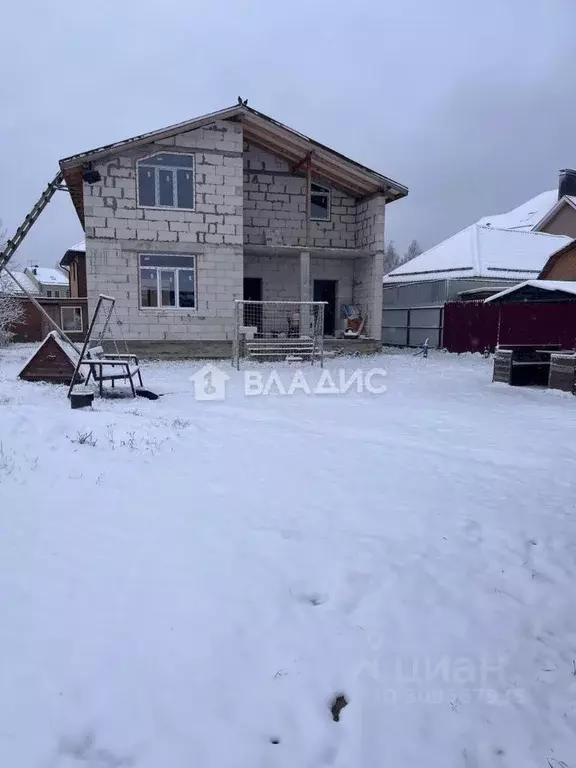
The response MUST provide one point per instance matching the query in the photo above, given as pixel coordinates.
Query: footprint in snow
(472, 531)
(312, 598)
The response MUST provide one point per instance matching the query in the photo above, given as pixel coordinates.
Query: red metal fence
(473, 326)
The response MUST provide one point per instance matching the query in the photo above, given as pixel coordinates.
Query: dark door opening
(253, 292)
(325, 290)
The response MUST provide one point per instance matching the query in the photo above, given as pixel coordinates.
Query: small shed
(53, 362)
(537, 319)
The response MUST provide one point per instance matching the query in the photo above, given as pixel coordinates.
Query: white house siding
(117, 231)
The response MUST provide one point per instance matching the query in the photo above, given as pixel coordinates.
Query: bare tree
(391, 258)
(11, 307)
(413, 251)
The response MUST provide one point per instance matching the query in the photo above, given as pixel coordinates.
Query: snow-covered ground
(195, 583)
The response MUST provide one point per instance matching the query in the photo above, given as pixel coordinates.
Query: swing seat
(105, 366)
(111, 367)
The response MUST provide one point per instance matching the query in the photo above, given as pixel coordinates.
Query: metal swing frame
(105, 366)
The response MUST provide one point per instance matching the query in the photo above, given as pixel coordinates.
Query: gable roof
(7, 285)
(481, 251)
(553, 259)
(68, 257)
(525, 216)
(47, 276)
(560, 287)
(264, 131)
(549, 215)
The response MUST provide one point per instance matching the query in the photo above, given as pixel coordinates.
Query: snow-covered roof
(525, 216)
(7, 285)
(49, 276)
(79, 247)
(481, 251)
(565, 200)
(564, 286)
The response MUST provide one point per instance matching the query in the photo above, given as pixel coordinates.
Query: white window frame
(74, 307)
(176, 270)
(174, 168)
(321, 191)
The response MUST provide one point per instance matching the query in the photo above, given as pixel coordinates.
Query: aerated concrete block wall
(275, 206)
(370, 224)
(367, 291)
(244, 196)
(117, 231)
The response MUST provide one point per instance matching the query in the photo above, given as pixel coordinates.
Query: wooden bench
(111, 367)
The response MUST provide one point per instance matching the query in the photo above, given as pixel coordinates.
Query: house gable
(295, 147)
(561, 265)
(560, 219)
(275, 205)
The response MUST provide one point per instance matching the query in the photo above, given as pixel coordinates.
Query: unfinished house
(183, 221)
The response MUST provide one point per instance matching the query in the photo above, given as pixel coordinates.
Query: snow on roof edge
(480, 251)
(566, 286)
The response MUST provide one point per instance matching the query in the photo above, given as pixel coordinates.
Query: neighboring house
(553, 212)
(473, 260)
(74, 260)
(561, 265)
(71, 316)
(415, 293)
(23, 284)
(182, 221)
(48, 282)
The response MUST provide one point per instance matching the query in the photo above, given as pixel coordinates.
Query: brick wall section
(117, 231)
(370, 224)
(275, 206)
(368, 272)
(113, 270)
(110, 206)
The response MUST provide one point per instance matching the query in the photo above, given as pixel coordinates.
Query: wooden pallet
(562, 370)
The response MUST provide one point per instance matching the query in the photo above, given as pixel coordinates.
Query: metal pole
(323, 307)
(308, 194)
(236, 352)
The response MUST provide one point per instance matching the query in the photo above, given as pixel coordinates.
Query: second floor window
(319, 203)
(166, 181)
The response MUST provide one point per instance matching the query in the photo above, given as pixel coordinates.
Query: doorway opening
(325, 290)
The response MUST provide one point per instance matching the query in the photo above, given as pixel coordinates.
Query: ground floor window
(71, 318)
(167, 281)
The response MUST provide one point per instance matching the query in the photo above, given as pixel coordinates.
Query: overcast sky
(471, 105)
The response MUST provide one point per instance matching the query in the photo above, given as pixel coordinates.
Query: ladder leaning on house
(29, 221)
(14, 243)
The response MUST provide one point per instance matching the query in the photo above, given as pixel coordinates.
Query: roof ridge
(518, 230)
(433, 248)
